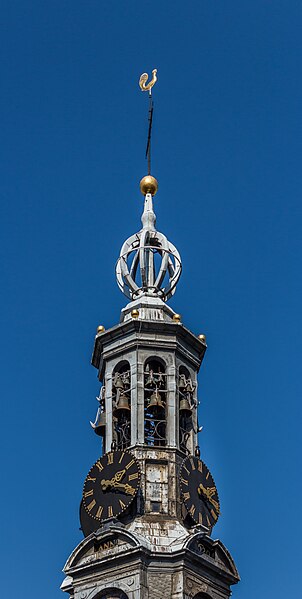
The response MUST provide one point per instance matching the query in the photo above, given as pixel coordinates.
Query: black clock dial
(111, 485)
(88, 524)
(199, 492)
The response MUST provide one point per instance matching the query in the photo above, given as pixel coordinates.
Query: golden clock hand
(119, 475)
(201, 489)
(113, 484)
(215, 504)
(105, 483)
(208, 493)
(127, 488)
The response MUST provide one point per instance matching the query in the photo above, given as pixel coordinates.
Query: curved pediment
(103, 544)
(214, 551)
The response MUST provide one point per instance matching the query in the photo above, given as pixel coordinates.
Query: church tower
(149, 502)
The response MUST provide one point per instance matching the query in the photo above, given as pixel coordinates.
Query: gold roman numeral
(199, 518)
(133, 476)
(184, 481)
(187, 496)
(130, 464)
(121, 458)
(192, 510)
(122, 504)
(110, 512)
(192, 463)
(186, 469)
(99, 512)
(88, 493)
(91, 505)
(109, 458)
(100, 466)
(199, 466)
(91, 478)
(208, 520)
(208, 474)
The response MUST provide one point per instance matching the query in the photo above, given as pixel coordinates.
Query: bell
(122, 404)
(99, 426)
(160, 378)
(189, 386)
(155, 401)
(185, 408)
(182, 382)
(150, 379)
(117, 381)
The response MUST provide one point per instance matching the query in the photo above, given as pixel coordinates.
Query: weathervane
(147, 87)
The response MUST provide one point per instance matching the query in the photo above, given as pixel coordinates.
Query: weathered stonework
(144, 569)
(153, 551)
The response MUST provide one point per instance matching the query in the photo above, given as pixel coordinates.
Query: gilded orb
(100, 329)
(202, 338)
(135, 313)
(177, 317)
(148, 184)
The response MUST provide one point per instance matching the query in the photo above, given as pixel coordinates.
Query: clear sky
(227, 154)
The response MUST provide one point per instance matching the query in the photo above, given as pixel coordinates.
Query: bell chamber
(186, 406)
(121, 405)
(155, 397)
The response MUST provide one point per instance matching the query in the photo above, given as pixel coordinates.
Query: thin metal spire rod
(150, 119)
(147, 87)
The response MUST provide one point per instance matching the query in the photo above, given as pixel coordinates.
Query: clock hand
(208, 492)
(113, 484)
(105, 483)
(119, 475)
(126, 488)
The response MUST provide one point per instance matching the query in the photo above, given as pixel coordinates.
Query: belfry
(149, 502)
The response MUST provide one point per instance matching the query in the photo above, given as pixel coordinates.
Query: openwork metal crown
(149, 264)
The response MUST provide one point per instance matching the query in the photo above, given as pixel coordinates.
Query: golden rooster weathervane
(147, 87)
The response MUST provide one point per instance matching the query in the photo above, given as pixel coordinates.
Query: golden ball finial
(100, 329)
(203, 339)
(148, 184)
(177, 317)
(135, 313)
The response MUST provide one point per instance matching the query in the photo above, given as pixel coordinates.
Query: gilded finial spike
(145, 87)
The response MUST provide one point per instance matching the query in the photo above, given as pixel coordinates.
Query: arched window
(121, 404)
(112, 594)
(99, 425)
(185, 406)
(155, 394)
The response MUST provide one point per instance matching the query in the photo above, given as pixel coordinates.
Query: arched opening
(155, 397)
(99, 425)
(186, 405)
(121, 404)
(112, 594)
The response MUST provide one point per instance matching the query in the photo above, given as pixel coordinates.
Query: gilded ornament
(177, 317)
(148, 184)
(100, 329)
(145, 87)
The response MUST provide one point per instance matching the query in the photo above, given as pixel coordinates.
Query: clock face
(111, 485)
(88, 524)
(199, 492)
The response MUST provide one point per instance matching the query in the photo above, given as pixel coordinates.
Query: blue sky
(227, 154)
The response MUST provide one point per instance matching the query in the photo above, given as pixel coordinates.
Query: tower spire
(148, 87)
(149, 503)
(139, 271)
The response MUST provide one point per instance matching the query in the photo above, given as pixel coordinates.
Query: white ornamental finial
(138, 272)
